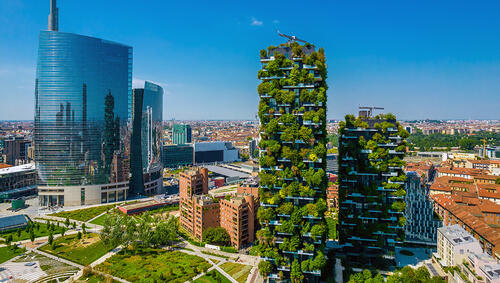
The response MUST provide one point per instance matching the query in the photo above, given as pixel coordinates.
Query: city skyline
(432, 60)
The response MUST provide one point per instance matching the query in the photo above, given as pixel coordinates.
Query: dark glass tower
(83, 85)
(292, 112)
(371, 190)
(147, 118)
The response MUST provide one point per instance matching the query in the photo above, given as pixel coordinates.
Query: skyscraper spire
(53, 16)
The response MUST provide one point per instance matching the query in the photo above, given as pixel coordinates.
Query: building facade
(16, 150)
(147, 119)
(82, 99)
(371, 190)
(174, 155)
(292, 113)
(421, 221)
(454, 244)
(237, 216)
(219, 151)
(181, 134)
(17, 181)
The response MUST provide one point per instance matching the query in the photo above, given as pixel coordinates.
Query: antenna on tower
(53, 16)
(291, 38)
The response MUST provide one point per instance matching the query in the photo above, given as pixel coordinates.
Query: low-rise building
(17, 181)
(454, 245)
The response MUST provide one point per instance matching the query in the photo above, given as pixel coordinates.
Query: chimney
(53, 16)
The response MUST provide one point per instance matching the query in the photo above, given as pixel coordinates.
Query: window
(82, 196)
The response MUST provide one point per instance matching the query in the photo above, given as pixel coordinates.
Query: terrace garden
(83, 249)
(238, 271)
(34, 230)
(154, 265)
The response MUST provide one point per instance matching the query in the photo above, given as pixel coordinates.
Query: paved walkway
(68, 262)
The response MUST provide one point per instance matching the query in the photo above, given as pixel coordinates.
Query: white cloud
(256, 22)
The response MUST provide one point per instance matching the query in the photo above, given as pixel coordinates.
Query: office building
(181, 134)
(292, 113)
(83, 91)
(371, 189)
(252, 147)
(210, 152)
(146, 146)
(17, 181)
(16, 150)
(175, 155)
(332, 163)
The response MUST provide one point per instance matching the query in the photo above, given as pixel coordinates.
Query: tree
(497, 181)
(84, 228)
(18, 233)
(295, 272)
(32, 235)
(63, 231)
(51, 238)
(8, 240)
(265, 267)
(216, 236)
(67, 222)
(73, 225)
(79, 235)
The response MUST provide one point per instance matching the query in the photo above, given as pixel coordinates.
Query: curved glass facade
(152, 119)
(82, 104)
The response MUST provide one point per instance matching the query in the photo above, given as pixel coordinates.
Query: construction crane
(370, 109)
(291, 38)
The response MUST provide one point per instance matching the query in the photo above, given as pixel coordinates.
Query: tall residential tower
(371, 190)
(292, 112)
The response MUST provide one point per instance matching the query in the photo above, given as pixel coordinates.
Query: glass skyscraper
(82, 102)
(181, 134)
(147, 142)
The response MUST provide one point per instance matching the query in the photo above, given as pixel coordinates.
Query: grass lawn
(41, 232)
(84, 251)
(214, 260)
(84, 214)
(7, 253)
(99, 220)
(213, 276)
(150, 265)
(238, 271)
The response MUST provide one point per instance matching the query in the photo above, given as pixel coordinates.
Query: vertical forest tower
(292, 112)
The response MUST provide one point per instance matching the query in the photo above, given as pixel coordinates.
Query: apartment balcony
(300, 198)
(312, 104)
(391, 174)
(268, 205)
(349, 137)
(395, 182)
(361, 130)
(275, 223)
(392, 130)
(313, 272)
(301, 85)
(284, 234)
(284, 215)
(283, 268)
(273, 276)
(284, 160)
(310, 123)
(309, 67)
(265, 95)
(299, 252)
(266, 59)
(267, 259)
(367, 218)
(366, 151)
(390, 219)
(392, 151)
(396, 167)
(354, 238)
(387, 144)
(284, 105)
(311, 217)
(272, 78)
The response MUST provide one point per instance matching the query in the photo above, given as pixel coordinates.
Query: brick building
(237, 216)
(198, 211)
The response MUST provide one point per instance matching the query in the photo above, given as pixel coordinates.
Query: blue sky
(418, 59)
